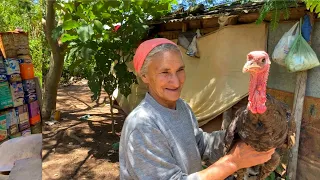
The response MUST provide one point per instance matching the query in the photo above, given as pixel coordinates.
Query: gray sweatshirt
(161, 143)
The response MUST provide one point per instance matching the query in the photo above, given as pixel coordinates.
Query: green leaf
(85, 32)
(98, 25)
(94, 83)
(70, 24)
(113, 4)
(69, 6)
(313, 6)
(80, 12)
(318, 9)
(68, 37)
(57, 6)
(126, 5)
(97, 7)
(67, 17)
(109, 83)
(106, 15)
(57, 32)
(105, 36)
(72, 52)
(86, 53)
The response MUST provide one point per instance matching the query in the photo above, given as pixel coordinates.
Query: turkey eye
(263, 60)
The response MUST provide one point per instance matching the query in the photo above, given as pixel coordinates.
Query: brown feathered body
(267, 130)
(265, 123)
(273, 129)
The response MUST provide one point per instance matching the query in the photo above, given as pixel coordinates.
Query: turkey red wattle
(258, 65)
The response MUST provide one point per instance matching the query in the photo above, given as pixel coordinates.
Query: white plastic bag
(301, 56)
(283, 47)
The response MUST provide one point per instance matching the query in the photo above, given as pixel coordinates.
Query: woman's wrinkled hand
(244, 156)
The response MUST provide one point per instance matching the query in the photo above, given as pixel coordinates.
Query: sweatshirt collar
(154, 103)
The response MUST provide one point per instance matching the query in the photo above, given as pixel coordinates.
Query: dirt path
(81, 149)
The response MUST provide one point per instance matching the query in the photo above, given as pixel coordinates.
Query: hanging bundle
(301, 56)
(282, 48)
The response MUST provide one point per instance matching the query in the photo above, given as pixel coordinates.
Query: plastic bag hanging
(193, 48)
(285, 43)
(301, 56)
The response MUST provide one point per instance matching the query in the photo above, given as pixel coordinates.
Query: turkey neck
(257, 91)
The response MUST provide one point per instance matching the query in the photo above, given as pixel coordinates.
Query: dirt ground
(81, 149)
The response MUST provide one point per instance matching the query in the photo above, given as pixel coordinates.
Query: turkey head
(258, 65)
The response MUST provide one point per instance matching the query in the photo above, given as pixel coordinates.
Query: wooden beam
(184, 27)
(175, 34)
(295, 14)
(299, 95)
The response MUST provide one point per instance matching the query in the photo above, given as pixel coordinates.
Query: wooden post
(299, 95)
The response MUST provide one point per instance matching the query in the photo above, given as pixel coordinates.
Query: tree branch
(50, 22)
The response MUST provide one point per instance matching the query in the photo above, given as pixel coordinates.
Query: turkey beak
(249, 65)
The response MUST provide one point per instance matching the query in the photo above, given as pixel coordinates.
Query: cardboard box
(22, 113)
(14, 78)
(12, 66)
(23, 126)
(34, 109)
(34, 120)
(5, 96)
(11, 118)
(23, 117)
(13, 129)
(17, 93)
(3, 122)
(18, 134)
(3, 134)
(36, 129)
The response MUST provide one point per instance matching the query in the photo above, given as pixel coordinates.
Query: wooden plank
(172, 26)
(298, 111)
(175, 34)
(248, 18)
(196, 24)
(184, 27)
(299, 95)
(295, 14)
(210, 22)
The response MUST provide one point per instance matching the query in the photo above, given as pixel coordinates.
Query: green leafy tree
(278, 7)
(101, 37)
(313, 6)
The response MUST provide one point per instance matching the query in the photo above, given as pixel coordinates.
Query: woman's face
(165, 77)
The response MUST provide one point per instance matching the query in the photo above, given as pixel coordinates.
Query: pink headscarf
(144, 49)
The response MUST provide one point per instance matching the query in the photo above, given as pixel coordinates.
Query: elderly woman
(160, 138)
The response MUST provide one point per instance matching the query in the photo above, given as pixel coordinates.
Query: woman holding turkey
(161, 139)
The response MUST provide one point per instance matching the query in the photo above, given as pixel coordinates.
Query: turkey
(265, 122)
